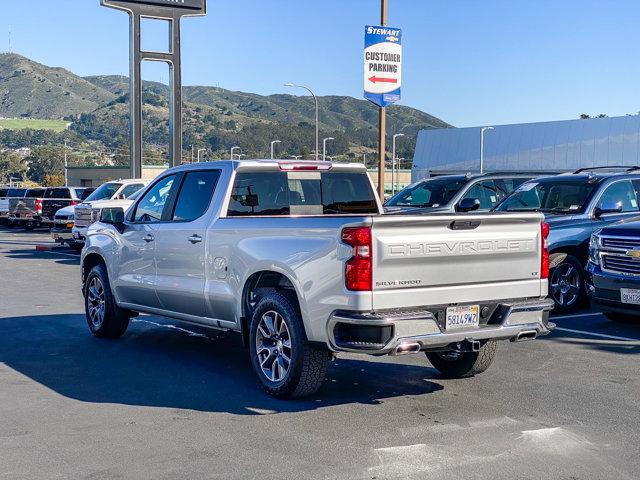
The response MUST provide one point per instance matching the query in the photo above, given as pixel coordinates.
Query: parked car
(88, 211)
(299, 259)
(61, 231)
(613, 272)
(575, 205)
(5, 195)
(40, 205)
(446, 193)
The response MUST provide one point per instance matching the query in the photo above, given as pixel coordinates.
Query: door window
(130, 190)
(151, 206)
(486, 192)
(620, 193)
(195, 195)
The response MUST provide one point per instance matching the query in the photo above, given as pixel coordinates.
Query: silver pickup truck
(300, 260)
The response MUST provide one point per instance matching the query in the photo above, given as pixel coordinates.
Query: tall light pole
(201, 150)
(232, 149)
(324, 148)
(317, 113)
(482, 130)
(273, 144)
(296, 157)
(394, 174)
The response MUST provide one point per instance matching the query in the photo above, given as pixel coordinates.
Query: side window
(484, 191)
(621, 193)
(195, 195)
(150, 207)
(130, 189)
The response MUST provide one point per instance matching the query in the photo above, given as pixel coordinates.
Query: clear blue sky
(469, 62)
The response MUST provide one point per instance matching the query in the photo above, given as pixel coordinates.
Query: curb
(44, 248)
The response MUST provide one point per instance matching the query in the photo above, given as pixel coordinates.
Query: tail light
(359, 268)
(74, 203)
(39, 206)
(544, 262)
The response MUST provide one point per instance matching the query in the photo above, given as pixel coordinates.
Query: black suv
(576, 205)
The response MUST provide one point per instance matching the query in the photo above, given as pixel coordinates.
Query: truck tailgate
(22, 207)
(464, 258)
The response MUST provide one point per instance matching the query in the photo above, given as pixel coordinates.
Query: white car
(111, 194)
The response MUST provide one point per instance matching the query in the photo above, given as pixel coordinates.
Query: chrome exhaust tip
(406, 348)
(526, 335)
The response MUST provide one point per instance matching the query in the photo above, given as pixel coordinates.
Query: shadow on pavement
(69, 258)
(155, 366)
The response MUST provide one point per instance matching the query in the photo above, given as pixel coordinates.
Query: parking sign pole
(382, 133)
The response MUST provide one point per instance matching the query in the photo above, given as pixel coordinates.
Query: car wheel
(622, 317)
(464, 364)
(566, 284)
(287, 365)
(104, 317)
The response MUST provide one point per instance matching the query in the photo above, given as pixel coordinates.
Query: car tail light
(359, 268)
(74, 203)
(39, 206)
(544, 262)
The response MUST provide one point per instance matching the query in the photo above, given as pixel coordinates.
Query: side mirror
(468, 205)
(121, 197)
(609, 207)
(113, 216)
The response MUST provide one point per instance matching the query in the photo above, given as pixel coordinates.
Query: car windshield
(104, 192)
(429, 193)
(557, 196)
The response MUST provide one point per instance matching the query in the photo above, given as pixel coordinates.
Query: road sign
(194, 5)
(382, 64)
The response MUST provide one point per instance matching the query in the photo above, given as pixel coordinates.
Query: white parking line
(601, 335)
(580, 315)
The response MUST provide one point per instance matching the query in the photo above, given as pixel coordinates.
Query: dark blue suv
(575, 205)
(613, 273)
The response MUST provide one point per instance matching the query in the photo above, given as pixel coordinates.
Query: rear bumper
(388, 333)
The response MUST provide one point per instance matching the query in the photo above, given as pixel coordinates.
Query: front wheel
(104, 317)
(287, 365)
(566, 284)
(464, 364)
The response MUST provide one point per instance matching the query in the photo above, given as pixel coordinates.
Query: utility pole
(382, 147)
(66, 175)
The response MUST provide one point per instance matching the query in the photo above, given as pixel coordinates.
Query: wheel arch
(257, 285)
(90, 261)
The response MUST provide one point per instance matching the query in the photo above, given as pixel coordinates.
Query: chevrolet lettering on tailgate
(471, 247)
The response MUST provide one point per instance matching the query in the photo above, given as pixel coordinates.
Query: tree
(43, 161)
(11, 166)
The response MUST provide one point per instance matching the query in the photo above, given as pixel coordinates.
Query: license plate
(630, 295)
(462, 317)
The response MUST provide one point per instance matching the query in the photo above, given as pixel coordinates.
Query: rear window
(35, 193)
(301, 193)
(16, 192)
(58, 193)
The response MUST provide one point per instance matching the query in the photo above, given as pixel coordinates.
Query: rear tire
(104, 317)
(621, 317)
(287, 365)
(466, 364)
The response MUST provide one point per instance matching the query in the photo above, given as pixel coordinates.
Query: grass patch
(33, 123)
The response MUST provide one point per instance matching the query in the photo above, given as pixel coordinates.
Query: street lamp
(201, 150)
(232, 149)
(273, 144)
(324, 148)
(296, 157)
(317, 113)
(393, 164)
(482, 130)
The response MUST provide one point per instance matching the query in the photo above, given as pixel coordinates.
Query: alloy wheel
(96, 302)
(273, 346)
(565, 284)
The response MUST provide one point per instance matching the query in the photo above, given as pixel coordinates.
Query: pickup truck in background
(39, 206)
(5, 195)
(111, 194)
(299, 259)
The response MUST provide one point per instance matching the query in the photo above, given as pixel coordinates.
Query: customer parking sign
(382, 64)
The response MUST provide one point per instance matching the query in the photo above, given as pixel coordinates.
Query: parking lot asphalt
(171, 401)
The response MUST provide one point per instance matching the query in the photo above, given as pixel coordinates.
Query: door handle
(195, 239)
(149, 238)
